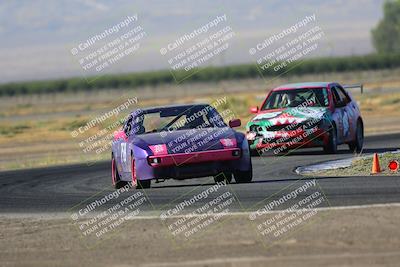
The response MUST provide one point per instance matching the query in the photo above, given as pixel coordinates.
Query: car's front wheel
(331, 147)
(244, 176)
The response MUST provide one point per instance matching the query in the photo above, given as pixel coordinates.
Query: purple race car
(179, 142)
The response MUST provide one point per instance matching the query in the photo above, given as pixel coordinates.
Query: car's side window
(336, 96)
(339, 96)
(343, 95)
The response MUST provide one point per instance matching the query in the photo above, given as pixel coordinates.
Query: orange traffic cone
(376, 168)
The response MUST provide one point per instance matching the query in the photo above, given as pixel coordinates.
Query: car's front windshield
(177, 118)
(305, 97)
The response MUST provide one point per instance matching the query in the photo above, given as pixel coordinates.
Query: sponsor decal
(266, 116)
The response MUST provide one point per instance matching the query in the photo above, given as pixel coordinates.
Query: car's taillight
(160, 149)
(228, 142)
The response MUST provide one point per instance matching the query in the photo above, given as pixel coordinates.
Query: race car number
(123, 152)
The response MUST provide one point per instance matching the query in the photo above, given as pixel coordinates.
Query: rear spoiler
(351, 86)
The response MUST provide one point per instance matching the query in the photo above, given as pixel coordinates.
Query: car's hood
(186, 141)
(289, 115)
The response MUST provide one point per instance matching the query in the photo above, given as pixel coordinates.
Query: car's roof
(177, 106)
(303, 85)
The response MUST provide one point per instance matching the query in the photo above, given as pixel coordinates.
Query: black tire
(331, 147)
(244, 176)
(140, 184)
(357, 145)
(255, 153)
(224, 176)
(143, 184)
(117, 183)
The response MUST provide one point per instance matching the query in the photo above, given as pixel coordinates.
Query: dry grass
(363, 167)
(36, 130)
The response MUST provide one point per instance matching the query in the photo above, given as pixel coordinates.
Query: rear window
(173, 119)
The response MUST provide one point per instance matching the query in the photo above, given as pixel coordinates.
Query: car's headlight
(251, 135)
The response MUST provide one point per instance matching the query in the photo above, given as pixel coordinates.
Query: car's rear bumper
(195, 157)
(193, 165)
(195, 170)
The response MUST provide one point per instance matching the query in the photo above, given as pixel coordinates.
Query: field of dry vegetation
(36, 130)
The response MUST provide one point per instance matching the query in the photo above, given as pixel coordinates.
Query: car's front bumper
(290, 139)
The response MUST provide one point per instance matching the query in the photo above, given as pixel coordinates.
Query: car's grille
(256, 128)
(282, 127)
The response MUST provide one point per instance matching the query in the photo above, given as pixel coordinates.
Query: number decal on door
(346, 125)
(123, 152)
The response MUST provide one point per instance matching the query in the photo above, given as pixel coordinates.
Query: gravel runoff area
(350, 236)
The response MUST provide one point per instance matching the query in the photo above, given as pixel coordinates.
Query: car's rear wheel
(357, 144)
(255, 153)
(223, 176)
(244, 176)
(116, 179)
(143, 184)
(331, 147)
(140, 184)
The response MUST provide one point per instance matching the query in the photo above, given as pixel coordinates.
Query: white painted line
(238, 213)
(66, 215)
(207, 262)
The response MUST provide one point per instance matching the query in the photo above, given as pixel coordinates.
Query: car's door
(339, 113)
(349, 115)
(124, 146)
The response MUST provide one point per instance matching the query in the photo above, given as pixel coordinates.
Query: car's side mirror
(254, 109)
(235, 123)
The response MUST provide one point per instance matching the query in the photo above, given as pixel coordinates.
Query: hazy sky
(37, 36)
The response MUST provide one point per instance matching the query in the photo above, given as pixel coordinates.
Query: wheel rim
(133, 171)
(113, 177)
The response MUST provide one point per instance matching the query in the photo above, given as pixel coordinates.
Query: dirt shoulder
(342, 237)
(363, 167)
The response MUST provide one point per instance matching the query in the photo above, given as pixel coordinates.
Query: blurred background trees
(386, 36)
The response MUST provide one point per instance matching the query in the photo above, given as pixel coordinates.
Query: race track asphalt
(58, 189)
